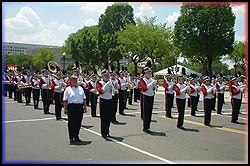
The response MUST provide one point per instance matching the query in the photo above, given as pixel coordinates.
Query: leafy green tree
(112, 21)
(205, 31)
(147, 39)
(19, 60)
(238, 56)
(41, 59)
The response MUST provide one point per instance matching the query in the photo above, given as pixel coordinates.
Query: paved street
(29, 136)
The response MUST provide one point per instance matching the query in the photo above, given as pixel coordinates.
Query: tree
(147, 39)
(238, 56)
(41, 59)
(205, 31)
(19, 60)
(112, 21)
(83, 46)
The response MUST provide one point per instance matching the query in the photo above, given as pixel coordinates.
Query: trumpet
(96, 92)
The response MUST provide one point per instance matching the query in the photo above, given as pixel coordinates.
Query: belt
(75, 104)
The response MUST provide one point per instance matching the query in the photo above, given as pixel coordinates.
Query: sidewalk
(227, 96)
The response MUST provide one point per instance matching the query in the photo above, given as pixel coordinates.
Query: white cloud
(90, 22)
(172, 18)
(27, 27)
(145, 9)
(239, 11)
(26, 20)
(95, 7)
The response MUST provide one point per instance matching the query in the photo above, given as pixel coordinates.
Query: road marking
(27, 120)
(219, 128)
(132, 147)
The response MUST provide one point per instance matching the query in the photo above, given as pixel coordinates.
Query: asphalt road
(29, 136)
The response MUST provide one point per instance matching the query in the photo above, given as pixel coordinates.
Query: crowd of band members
(113, 90)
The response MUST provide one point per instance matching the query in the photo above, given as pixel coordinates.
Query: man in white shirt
(74, 101)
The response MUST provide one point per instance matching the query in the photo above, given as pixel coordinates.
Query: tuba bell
(52, 66)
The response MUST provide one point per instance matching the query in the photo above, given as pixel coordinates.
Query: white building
(21, 48)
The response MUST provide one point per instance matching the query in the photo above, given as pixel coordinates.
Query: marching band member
(122, 92)
(136, 89)
(236, 91)
(27, 81)
(17, 81)
(93, 93)
(207, 90)
(86, 80)
(131, 86)
(195, 88)
(214, 97)
(168, 85)
(105, 88)
(141, 94)
(35, 90)
(58, 85)
(181, 89)
(127, 79)
(148, 86)
(74, 102)
(115, 96)
(9, 84)
(45, 85)
(220, 89)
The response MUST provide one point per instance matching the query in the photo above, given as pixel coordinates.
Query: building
(21, 48)
(32, 49)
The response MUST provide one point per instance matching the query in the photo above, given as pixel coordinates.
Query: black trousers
(147, 111)
(46, 99)
(136, 94)
(194, 103)
(181, 110)
(27, 94)
(141, 104)
(36, 96)
(58, 104)
(75, 116)
(93, 100)
(214, 102)
(126, 98)
(236, 104)
(207, 111)
(10, 90)
(130, 96)
(115, 103)
(86, 91)
(168, 104)
(220, 102)
(122, 101)
(105, 115)
(14, 88)
(19, 93)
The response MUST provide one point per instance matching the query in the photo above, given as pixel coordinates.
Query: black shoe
(146, 131)
(47, 113)
(78, 140)
(58, 118)
(104, 136)
(193, 114)
(71, 141)
(208, 125)
(235, 121)
(122, 113)
(181, 127)
(94, 115)
(115, 122)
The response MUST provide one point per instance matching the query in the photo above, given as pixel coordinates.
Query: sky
(51, 23)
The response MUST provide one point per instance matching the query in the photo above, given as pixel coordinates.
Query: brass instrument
(20, 87)
(52, 66)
